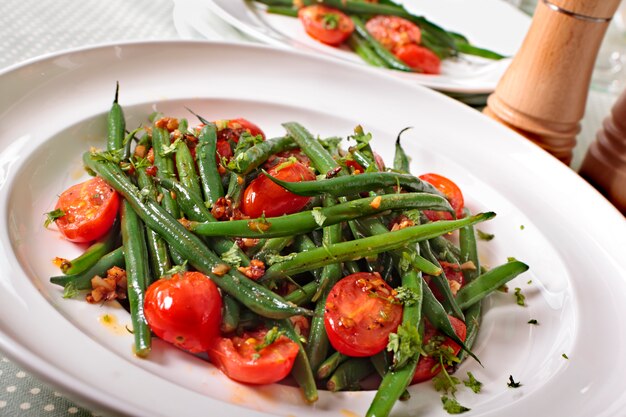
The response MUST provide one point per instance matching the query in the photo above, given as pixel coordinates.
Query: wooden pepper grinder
(604, 165)
(543, 93)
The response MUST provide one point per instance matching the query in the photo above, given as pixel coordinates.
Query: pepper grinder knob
(542, 94)
(604, 165)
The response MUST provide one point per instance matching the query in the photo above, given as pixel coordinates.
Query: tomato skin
(314, 19)
(424, 370)
(238, 358)
(393, 32)
(232, 129)
(419, 58)
(450, 190)
(185, 310)
(359, 315)
(264, 196)
(90, 210)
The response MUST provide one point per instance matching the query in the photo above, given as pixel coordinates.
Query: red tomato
(427, 367)
(223, 150)
(185, 310)
(232, 129)
(393, 32)
(243, 358)
(90, 210)
(264, 196)
(419, 58)
(450, 190)
(454, 275)
(327, 25)
(360, 314)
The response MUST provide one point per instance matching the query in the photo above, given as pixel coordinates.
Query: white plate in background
(491, 24)
(54, 108)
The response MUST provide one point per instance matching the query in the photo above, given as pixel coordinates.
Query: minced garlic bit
(220, 269)
(169, 123)
(376, 202)
(468, 265)
(110, 288)
(254, 271)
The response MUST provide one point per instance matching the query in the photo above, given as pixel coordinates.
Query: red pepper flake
(152, 170)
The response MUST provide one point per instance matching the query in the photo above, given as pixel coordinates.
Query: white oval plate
(491, 24)
(53, 109)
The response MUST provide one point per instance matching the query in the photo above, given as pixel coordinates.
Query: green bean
(302, 295)
(252, 158)
(318, 344)
(472, 325)
(254, 296)
(82, 281)
(466, 48)
(441, 282)
(303, 243)
(301, 370)
(157, 248)
(438, 317)
(186, 168)
(137, 275)
(354, 184)
(165, 170)
(93, 253)
(183, 126)
(306, 221)
(469, 250)
(357, 249)
(362, 48)
(193, 207)
(206, 152)
(348, 375)
(351, 267)
(385, 54)
(116, 126)
(283, 11)
(319, 156)
(381, 364)
(330, 365)
(401, 161)
(393, 385)
(230, 314)
(488, 282)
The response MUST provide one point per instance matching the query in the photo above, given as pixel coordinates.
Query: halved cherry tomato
(450, 190)
(393, 32)
(232, 129)
(185, 310)
(244, 359)
(90, 209)
(360, 314)
(428, 367)
(223, 150)
(419, 58)
(327, 25)
(454, 275)
(264, 196)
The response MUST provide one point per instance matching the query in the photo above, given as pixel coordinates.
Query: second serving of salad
(290, 258)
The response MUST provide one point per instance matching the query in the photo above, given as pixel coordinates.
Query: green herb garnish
(452, 406)
(512, 383)
(484, 236)
(472, 383)
(520, 298)
(52, 216)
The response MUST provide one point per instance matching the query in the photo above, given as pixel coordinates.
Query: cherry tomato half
(360, 314)
(244, 359)
(90, 210)
(419, 58)
(325, 24)
(185, 310)
(427, 366)
(232, 129)
(454, 275)
(393, 32)
(264, 196)
(450, 190)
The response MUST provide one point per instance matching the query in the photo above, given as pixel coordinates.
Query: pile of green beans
(166, 221)
(443, 43)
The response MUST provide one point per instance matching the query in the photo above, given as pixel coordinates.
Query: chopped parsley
(530, 281)
(445, 382)
(232, 257)
(405, 344)
(533, 321)
(565, 356)
(472, 383)
(273, 258)
(318, 216)
(520, 298)
(170, 149)
(407, 296)
(512, 383)
(177, 269)
(70, 291)
(484, 236)
(52, 216)
(452, 406)
(521, 227)
(271, 336)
